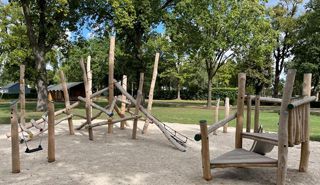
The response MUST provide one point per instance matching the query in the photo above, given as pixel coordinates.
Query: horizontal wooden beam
(302, 101)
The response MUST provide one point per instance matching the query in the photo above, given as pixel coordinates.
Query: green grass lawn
(187, 112)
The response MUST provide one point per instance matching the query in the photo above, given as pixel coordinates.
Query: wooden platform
(242, 158)
(271, 138)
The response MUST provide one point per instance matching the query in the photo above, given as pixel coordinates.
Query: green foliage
(307, 50)
(216, 31)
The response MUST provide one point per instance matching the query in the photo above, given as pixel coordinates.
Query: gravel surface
(151, 159)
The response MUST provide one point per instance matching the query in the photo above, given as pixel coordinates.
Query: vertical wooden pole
(305, 149)
(226, 113)
(89, 76)
(88, 99)
(66, 101)
(15, 152)
(256, 113)
(240, 108)
(123, 98)
(22, 96)
(153, 83)
(248, 113)
(111, 68)
(216, 114)
(205, 154)
(110, 125)
(51, 137)
(283, 128)
(136, 112)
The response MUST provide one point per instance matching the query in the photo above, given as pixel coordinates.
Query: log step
(271, 138)
(242, 158)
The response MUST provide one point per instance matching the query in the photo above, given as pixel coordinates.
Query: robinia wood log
(240, 109)
(206, 169)
(300, 102)
(283, 128)
(152, 85)
(66, 101)
(123, 99)
(111, 68)
(15, 152)
(114, 121)
(102, 109)
(152, 118)
(305, 148)
(93, 118)
(226, 113)
(22, 96)
(138, 102)
(88, 99)
(51, 134)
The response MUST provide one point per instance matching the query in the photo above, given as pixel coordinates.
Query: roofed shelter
(75, 89)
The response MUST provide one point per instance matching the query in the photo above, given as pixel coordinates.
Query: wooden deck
(242, 158)
(271, 138)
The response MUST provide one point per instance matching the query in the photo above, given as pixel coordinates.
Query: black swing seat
(34, 149)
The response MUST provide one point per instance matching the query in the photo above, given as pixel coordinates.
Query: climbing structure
(293, 130)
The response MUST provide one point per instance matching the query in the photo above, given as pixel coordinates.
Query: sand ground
(117, 159)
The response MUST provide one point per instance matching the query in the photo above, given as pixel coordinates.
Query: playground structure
(30, 130)
(293, 130)
(177, 140)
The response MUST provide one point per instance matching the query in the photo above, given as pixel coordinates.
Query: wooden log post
(249, 101)
(66, 101)
(123, 99)
(216, 114)
(22, 96)
(136, 111)
(88, 99)
(226, 113)
(305, 148)
(15, 151)
(205, 153)
(89, 76)
(51, 134)
(153, 83)
(111, 68)
(256, 113)
(240, 109)
(283, 128)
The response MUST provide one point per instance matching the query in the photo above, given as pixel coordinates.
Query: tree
(285, 22)
(215, 30)
(307, 49)
(14, 48)
(46, 23)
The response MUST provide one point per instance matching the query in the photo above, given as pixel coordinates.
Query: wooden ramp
(242, 158)
(271, 138)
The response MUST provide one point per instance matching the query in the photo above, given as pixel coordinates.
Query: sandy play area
(117, 159)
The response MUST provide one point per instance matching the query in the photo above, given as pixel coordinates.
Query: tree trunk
(41, 82)
(179, 91)
(276, 84)
(209, 103)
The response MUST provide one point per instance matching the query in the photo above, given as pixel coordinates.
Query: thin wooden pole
(305, 148)
(123, 98)
(153, 83)
(226, 113)
(256, 113)
(249, 101)
(283, 128)
(66, 101)
(216, 114)
(111, 68)
(205, 153)
(138, 102)
(22, 96)
(51, 137)
(15, 152)
(89, 76)
(88, 99)
(240, 108)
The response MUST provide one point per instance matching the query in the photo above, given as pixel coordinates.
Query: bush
(198, 94)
